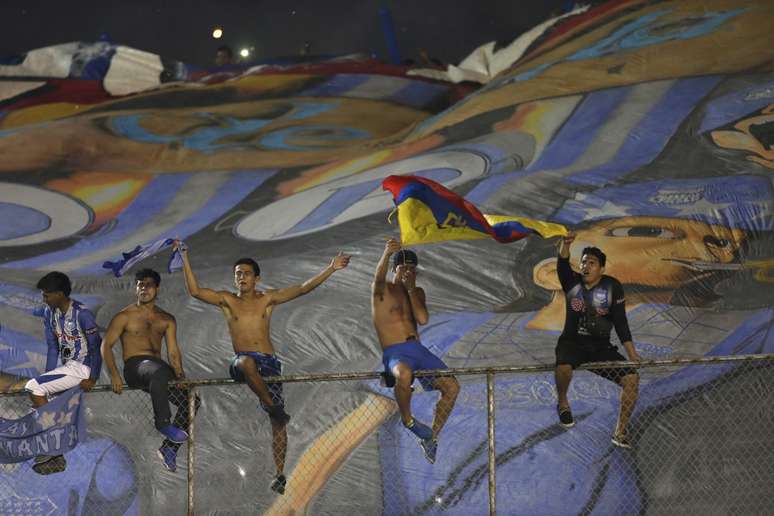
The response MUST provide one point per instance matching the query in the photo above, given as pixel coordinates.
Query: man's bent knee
(403, 374)
(631, 380)
(247, 367)
(448, 386)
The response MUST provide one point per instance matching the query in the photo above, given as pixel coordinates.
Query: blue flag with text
(53, 429)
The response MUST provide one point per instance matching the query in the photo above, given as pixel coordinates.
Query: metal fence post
(490, 413)
(191, 417)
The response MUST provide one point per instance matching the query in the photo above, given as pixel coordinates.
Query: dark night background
(446, 29)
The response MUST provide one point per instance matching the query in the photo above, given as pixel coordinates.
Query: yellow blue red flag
(428, 212)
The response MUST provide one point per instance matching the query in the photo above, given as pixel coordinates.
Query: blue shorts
(267, 365)
(416, 356)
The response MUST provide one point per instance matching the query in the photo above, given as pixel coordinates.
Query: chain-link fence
(699, 440)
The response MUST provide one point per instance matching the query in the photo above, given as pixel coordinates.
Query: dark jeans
(153, 375)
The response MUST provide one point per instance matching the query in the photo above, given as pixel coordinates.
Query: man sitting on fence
(71, 334)
(248, 314)
(595, 305)
(397, 307)
(141, 327)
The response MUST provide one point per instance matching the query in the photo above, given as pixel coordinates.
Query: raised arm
(174, 356)
(380, 274)
(567, 277)
(284, 295)
(114, 331)
(202, 294)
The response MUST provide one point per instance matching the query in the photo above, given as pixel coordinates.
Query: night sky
(446, 29)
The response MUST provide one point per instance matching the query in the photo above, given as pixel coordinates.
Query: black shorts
(577, 352)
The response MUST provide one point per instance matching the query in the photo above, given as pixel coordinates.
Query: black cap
(404, 257)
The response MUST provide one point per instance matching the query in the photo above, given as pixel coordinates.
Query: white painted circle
(274, 221)
(67, 215)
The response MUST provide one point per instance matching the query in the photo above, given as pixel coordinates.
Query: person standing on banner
(141, 327)
(595, 304)
(72, 337)
(248, 315)
(397, 307)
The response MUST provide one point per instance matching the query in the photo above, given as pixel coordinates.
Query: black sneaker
(621, 440)
(56, 464)
(278, 484)
(565, 417)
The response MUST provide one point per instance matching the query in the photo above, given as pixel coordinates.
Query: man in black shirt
(595, 304)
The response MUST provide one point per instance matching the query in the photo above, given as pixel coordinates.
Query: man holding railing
(594, 305)
(397, 307)
(142, 327)
(248, 315)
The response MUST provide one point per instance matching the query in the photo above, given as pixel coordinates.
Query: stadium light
(244, 52)
(217, 32)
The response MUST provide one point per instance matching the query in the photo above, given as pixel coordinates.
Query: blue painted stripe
(142, 210)
(653, 132)
(336, 86)
(641, 147)
(734, 106)
(579, 131)
(238, 186)
(418, 94)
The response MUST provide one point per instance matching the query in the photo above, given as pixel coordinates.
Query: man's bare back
(143, 330)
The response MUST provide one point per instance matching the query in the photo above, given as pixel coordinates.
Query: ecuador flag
(428, 212)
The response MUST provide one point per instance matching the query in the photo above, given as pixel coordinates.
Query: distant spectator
(224, 56)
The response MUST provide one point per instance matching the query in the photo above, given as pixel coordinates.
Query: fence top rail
(459, 371)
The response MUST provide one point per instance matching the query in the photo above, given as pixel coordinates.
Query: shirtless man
(397, 307)
(248, 315)
(141, 327)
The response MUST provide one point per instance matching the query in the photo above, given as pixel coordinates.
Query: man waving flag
(428, 212)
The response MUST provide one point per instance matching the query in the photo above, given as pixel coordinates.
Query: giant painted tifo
(645, 127)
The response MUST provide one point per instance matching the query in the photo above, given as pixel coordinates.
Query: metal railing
(655, 374)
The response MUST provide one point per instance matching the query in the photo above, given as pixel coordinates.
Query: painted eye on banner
(33, 215)
(354, 196)
(645, 232)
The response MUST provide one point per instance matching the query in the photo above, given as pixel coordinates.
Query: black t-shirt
(592, 313)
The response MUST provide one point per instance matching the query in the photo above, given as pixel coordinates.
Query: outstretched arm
(380, 274)
(114, 331)
(202, 294)
(286, 294)
(174, 356)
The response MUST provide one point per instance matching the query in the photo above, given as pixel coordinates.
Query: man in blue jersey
(72, 337)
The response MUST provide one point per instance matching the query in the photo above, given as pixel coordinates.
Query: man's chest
(595, 301)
